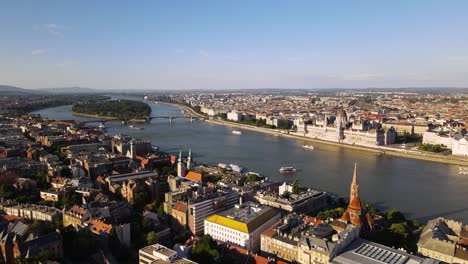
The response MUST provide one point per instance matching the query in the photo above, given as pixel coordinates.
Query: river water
(422, 190)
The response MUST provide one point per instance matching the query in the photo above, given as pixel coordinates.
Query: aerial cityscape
(234, 132)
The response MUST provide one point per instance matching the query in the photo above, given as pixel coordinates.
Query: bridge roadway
(147, 119)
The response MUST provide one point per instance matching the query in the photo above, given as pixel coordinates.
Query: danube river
(421, 189)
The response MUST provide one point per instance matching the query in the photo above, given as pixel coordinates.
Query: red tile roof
(99, 227)
(194, 176)
(181, 207)
(269, 232)
(355, 204)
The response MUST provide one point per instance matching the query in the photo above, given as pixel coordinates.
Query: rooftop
(157, 249)
(365, 252)
(244, 218)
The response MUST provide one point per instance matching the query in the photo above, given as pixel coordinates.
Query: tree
(432, 148)
(140, 199)
(7, 191)
(286, 194)
(161, 213)
(148, 225)
(71, 200)
(78, 245)
(395, 216)
(44, 255)
(400, 230)
(205, 251)
(372, 210)
(153, 207)
(41, 179)
(251, 177)
(333, 213)
(151, 238)
(295, 187)
(124, 109)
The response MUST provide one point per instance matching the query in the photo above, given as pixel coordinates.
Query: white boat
(308, 147)
(287, 170)
(135, 127)
(236, 168)
(101, 125)
(154, 148)
(237, 132)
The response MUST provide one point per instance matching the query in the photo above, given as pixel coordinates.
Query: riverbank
(140, 120)
(378, 150)
(185, 108)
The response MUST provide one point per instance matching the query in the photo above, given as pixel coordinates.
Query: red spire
(354, 190)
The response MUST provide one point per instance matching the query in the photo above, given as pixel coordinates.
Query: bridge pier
(170, 120)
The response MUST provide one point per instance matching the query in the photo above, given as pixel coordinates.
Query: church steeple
(356, 213)
(179, 164)
(189, 159)
(354, 190)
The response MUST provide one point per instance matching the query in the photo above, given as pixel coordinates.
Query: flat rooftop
(365, 252)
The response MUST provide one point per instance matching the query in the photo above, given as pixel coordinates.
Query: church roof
(355, 175)
(355, 204)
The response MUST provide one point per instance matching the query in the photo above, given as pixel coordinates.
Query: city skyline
(241, 45)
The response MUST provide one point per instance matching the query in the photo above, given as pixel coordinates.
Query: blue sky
(233, 44)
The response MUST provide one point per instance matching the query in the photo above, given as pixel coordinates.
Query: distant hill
(12, 90)
(70, 90)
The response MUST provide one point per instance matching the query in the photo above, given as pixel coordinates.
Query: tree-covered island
(121, 109)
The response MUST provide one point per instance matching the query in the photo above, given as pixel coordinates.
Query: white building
(438, 138)
(158, 253)
(284, 188)
(242, 225)
(211, 111)
(234, 116)
(454, 141)
(204, 206)
(460, 147)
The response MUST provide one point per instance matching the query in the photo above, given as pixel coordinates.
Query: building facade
(242, 225)
(203, 206)
(444, 240)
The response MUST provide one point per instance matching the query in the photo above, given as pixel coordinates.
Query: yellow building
(242, 225)
(75, 217)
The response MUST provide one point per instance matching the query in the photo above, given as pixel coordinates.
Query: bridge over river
(146, 119)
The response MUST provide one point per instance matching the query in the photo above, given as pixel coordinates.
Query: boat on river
(308, 147)
(237, 132)
(136, 127)
(287, 170)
